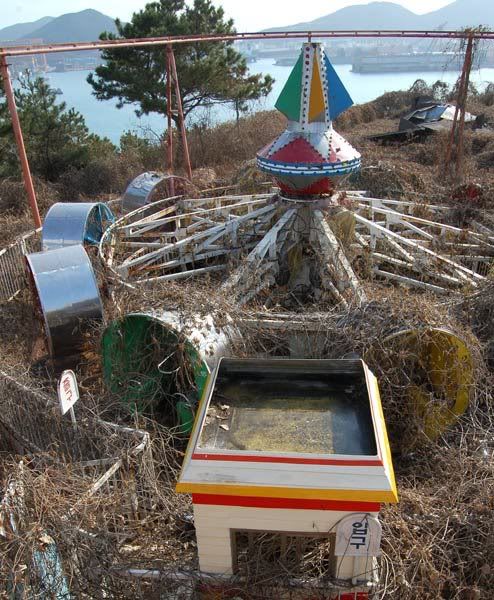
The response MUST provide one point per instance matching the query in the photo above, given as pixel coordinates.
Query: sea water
(103, 118)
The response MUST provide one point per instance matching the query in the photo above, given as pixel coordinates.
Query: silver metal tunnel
(140, 190)
(72, 223)
(68, 295)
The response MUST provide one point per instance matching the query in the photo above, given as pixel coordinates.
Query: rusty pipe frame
(280, 35)
(169, 41)
(455, 143)
(19, 139)
(21, 148)
(462, 101)
(172, 78)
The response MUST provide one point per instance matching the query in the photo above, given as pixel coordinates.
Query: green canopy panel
(151, 365)
(290, 98)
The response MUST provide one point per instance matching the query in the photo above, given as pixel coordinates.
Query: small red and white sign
(68, 392)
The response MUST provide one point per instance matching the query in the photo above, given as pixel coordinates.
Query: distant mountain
(22, 30)
(88, 24)
(84, 26)
(388, 15)
(462, 13)
(376, 15)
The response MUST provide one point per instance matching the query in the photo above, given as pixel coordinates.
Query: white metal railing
(12, 268)
(30, 423)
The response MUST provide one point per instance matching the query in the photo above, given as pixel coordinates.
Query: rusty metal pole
(16, 126)
(467, 67)
(452, 134)
(455, 145)
(171, 185)
(181, 115)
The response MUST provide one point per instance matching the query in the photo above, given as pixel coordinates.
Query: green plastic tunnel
(148, 362)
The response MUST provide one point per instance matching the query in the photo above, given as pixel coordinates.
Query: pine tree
(55, 138)
(209, 72)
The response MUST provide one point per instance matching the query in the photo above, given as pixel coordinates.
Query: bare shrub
(13, 196)
(230, 143)
(103, 176)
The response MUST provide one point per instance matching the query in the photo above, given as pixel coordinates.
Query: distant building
(408, 63)
(36, 63)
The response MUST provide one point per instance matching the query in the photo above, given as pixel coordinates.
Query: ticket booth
(295, 448)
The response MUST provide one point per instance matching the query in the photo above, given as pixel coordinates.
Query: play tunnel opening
(153, 369)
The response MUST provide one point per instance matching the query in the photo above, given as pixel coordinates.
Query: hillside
(23, 30)
(376, 15)
(461, 13)
(388, 15)
(84, 26)
(88, 24)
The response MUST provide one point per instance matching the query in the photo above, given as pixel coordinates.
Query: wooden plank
(413, 267)
(435, 225)
(380, 202)
(417, 230)
(184, 274)
(361, 240)
(146, 259)
(329, 285)
(406, 255)
(223, 200)
(335, 255)
(410, 282)
(391, 260)
(256, 263)
(473, 277)
(153, 218)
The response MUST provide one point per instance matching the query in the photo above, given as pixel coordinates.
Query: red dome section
(322, 186)
(298, 151)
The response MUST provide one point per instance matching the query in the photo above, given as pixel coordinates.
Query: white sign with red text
(68, 392)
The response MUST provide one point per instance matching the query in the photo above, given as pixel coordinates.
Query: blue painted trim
(308, 169)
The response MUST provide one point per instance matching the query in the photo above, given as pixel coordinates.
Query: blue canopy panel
(339, 98)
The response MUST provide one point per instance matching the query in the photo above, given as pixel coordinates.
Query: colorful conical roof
(313, 91)
(309, 156)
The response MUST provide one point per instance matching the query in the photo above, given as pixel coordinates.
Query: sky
(249, 15)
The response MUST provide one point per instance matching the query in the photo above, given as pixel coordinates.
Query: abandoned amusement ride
(296, 447)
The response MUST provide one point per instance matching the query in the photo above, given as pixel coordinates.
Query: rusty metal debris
(427, 117)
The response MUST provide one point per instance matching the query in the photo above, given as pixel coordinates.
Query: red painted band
(293, 503)
(292, 460)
